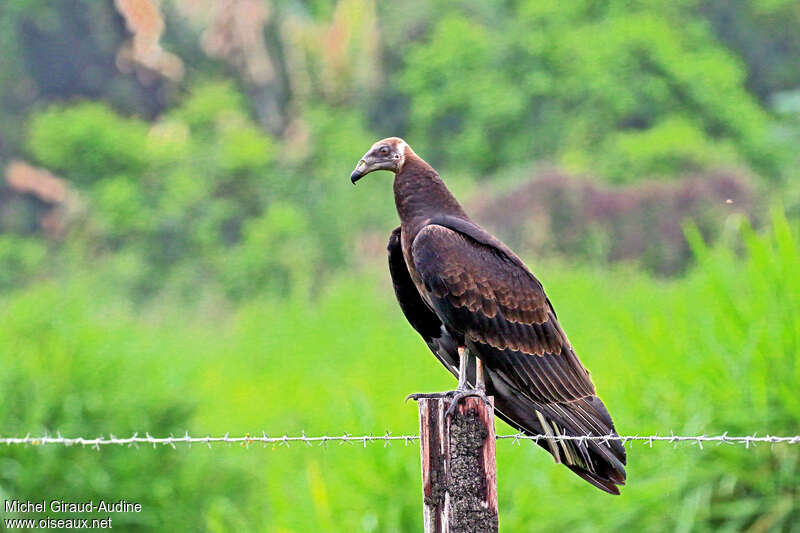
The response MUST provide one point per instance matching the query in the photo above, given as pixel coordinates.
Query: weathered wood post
(459, 472)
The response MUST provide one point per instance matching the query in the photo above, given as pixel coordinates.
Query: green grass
(714, 351)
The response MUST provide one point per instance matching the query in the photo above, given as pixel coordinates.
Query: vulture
(487, 319)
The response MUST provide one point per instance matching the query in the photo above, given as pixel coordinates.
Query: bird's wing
(416, 311)
(480, 290)
(482, 294)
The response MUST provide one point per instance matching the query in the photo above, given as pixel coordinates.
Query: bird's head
(386, 154)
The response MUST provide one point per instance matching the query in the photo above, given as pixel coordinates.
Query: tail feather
(600, 463)
(606, 485)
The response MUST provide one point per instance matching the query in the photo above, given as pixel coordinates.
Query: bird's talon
(431, 395)
(467, 393)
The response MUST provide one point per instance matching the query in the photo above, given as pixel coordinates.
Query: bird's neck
(420, 194)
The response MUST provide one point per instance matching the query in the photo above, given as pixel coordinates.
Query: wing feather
(500, 306)
(538, 383)
(417, 311)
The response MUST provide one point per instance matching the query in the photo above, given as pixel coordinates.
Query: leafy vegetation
(184, 178)
(712, 352)
(662, 98)
(180, 248)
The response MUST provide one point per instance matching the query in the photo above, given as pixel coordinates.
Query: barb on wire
(387, 438)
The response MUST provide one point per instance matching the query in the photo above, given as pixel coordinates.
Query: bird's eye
(383, 150)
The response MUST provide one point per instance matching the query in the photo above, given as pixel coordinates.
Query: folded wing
(484, 297)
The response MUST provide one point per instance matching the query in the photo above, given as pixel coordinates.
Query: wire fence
(387, 439)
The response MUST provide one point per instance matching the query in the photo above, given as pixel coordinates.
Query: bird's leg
(463, 365)
(464, 391)
(480, 380)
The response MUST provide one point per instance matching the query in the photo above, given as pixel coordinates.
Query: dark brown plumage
(459, 286)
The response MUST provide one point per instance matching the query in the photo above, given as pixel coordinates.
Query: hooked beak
(359, 172)
(370, 163)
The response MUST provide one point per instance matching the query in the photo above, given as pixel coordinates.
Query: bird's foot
(467, 393)
(454, 395)
(428, 395)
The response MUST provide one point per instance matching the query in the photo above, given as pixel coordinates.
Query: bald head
(386, 154)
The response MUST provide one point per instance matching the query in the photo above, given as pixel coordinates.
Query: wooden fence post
(459, 472)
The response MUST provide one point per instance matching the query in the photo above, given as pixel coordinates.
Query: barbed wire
(386, 438)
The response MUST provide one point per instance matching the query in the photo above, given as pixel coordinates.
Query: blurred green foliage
(88, 142)
(20, 259)
(173, 192)
(623, 90)
(202, 263)
(75, 364)
(711, 352)
(187, 180)
(199, 195)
